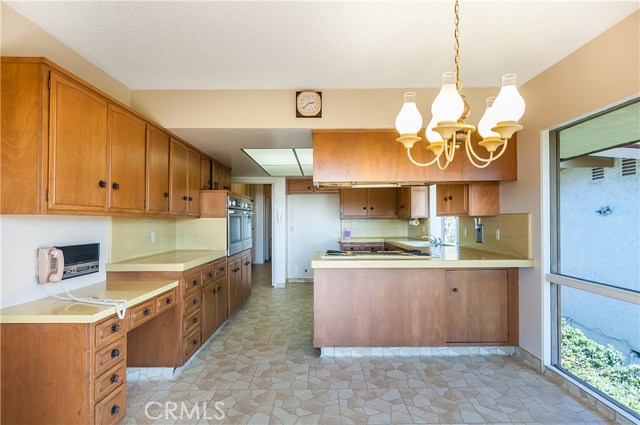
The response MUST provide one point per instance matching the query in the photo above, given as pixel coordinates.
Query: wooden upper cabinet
(368, 203)
(78, 175)
(178, 189)
(473, 199)
(127, 138)
(215, 175)
(477, 306)
(205, 174)
(382, 203)
(194, 181)
(383, 160)
(354, 203)
(224, 177)
(157, 170)
(299, 186)
(412, 202)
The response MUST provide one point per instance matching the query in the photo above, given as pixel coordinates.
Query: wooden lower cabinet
(238, 279)
(214, 298)
(415, 307)
(481, 306)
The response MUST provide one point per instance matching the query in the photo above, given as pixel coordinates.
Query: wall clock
(308, 104)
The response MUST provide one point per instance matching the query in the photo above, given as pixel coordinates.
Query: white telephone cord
(120, 305)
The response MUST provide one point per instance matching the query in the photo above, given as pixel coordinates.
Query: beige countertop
(448, 256)
(172, 261)
(52, 310)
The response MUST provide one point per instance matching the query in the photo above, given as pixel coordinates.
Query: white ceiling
(315, 44)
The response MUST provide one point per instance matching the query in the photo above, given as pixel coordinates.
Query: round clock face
(309, 103)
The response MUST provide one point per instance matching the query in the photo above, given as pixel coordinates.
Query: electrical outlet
(497, 234)
(153, 236)
(464, 231)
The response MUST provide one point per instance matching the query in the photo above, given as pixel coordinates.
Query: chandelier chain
(456, 36)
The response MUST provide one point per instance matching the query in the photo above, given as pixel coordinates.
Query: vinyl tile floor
(261, 368)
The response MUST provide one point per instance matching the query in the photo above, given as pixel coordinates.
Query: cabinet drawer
(220, 268)
(110, 380)
(190, 322)
(208, 274)
(113, 408)
(192, 303)
(191, 343)
(108, 331)
(191, 283)
(165, 301)
(141, 313)
(110, 355)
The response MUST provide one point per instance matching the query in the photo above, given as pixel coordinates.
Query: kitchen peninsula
(458, 297)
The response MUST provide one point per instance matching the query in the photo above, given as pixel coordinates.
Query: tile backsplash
(514, 229)
(203, 233)
(375, 228)
(131, 236)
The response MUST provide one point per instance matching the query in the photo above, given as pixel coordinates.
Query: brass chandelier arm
(487, 161)
(449, 153)
(446, 164)
(469, 148)
(419, 164)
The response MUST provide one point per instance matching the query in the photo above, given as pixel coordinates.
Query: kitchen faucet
(435, 241)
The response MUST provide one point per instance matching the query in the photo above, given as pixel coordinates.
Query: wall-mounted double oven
(239, 222)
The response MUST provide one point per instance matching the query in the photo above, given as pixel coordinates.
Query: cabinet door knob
(167, 301)
(450, 197)
(445, 199)
(195, 320)
(146, 312)
(166, 194)
(114, 378)
(115, 353)
(195, 282)
(190, 198)
(115, 186)
(364, 208)
(115, 409)
(372, 208)
(210, 274)
(185, 198)
(195, 301)
(195, 342)
(102, 184)
(115, 328)
(214, 290)
(218, 288)
(455, 289)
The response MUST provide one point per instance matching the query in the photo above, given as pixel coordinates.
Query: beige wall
(21, 37)
(131, 236)
(275, 108)
(602, 72)
(515, 238)
(201, 233)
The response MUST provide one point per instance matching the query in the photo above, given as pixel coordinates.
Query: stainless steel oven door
(234, 232)
(247, 230)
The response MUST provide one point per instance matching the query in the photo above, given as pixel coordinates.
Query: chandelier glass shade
(447, 130)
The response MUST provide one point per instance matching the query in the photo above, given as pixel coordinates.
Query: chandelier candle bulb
(448, 105)
(409, 121)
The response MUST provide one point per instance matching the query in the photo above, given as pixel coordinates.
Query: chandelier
(447, 129)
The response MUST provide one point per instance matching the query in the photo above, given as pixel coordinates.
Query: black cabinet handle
(115, 186)
(210, 274)
(195, 301)
(455, 289)
(146, 312)
(218, 288)
(115, 328)
(114, 378)
(167, 301)
(450, 197)
(102, 184)
(185, 198)
(190, 198)
(195, 320)
(222, 269)
(115, 353)
(372, 208)
(214, 290)
(166, 194)
(115, 409)
(195, 342)
(247, 263)
(195, 282)
(445, 199)
(364, 208)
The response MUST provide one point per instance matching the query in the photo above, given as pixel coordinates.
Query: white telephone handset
(50, 265)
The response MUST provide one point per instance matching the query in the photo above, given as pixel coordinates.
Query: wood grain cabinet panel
(165, 301)
(127, 154)
(234, 283)
(142, 313)
(78, 175)
(109, 330)
(194, 168)
(178, 179)
(224, 177)
(382, 203)
(299, 186)
(109, 356)
(354, 203)
(412, 202)
(191, 282)
(222, 300)
(206, 182)
(474, 199)
(209, 315)
(113, 408)
(246, 276)
(477, 306)
(191, 343)
(157, 170)
(109, 380)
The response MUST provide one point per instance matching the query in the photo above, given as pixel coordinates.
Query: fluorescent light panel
(283, 162)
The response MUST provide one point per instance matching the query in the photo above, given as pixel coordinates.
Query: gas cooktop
(416, 253)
